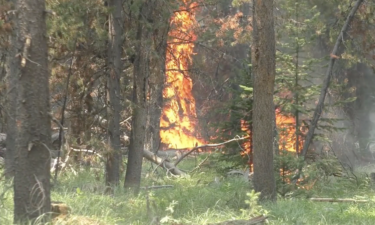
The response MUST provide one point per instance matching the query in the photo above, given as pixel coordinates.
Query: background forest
(150, 106)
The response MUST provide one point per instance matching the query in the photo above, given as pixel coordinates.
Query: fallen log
(170, 167)
(338, 200)
(157, 187)
(259, 220)
(169, 153)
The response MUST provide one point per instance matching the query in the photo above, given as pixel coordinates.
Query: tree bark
(13, 71)
(114, 106)
(157, 77)
(33, 139)
(263, 64)
(141, 74)
(155, 105)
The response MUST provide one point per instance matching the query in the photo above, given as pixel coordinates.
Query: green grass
(198, 199)
(302, 211)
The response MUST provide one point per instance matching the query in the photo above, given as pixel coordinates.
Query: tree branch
(161, 162)
(319, 107)
(61, 123)
(207, 146)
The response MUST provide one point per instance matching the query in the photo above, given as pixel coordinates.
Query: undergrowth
(201, 197)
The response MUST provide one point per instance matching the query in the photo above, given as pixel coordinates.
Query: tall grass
(202, 197)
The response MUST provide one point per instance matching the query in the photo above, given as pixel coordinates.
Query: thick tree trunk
(33, 139)
(114, 108)
(157, 80)
(155, 105)
(263, 62)
(13, 71)
(139, 119)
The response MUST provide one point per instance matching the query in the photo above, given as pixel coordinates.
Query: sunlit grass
(202, 197)
(303, 211)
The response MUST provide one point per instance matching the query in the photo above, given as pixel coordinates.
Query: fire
(245, 127)
(286, 126)
(287, 133)
(179, 118)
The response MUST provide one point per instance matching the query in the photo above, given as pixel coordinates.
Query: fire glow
(286, 126)
(287, 133)
(178, 122)
(179, 119)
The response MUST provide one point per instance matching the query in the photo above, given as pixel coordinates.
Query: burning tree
(179, 119)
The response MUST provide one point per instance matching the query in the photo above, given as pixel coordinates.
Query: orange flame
(287, 133)
(245, 127)
(179, 117)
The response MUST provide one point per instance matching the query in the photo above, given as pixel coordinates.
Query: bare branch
(166, 165)
(207, 146)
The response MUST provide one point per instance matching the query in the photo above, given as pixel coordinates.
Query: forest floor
(204, 196)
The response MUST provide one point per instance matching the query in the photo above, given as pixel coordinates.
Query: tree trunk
(155, 105)
(114, 106)
(139, 119)
(13, 71)
(263, 64)
(157, 80)
(33, 139)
